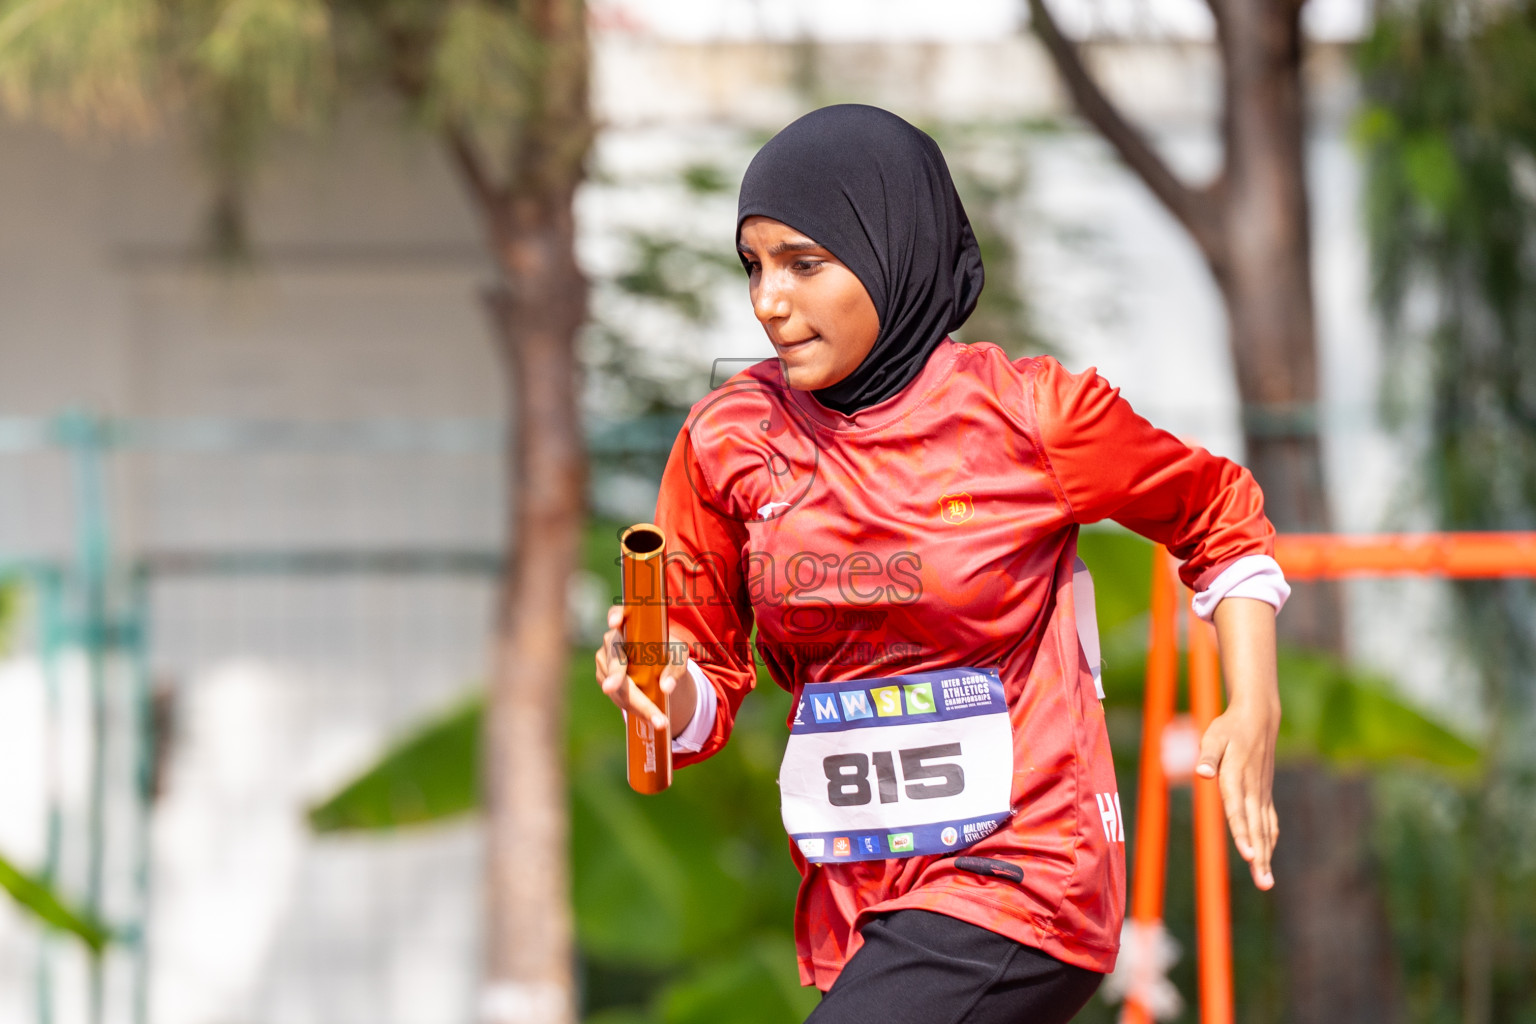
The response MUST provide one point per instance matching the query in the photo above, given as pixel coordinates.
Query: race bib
(897, 766)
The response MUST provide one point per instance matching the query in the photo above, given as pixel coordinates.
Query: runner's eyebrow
(781, 248)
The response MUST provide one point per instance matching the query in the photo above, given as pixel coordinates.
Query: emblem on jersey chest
(956, 508)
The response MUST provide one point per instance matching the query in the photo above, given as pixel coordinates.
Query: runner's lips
(783, 345)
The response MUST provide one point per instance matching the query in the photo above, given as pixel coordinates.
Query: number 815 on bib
(848, 775)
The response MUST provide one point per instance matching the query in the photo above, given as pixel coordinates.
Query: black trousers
(918, 967)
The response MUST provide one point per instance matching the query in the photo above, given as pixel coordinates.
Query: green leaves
(693, 888)
(37, 897)
(751, 982)
(1432, 170)
(484, 65)
(429, 775)
(751, 987)
(276, 53)
(675, 274)
(10, 600)
(1352, 719)
(80, 63)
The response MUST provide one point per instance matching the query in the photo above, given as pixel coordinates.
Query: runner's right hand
(621, 689)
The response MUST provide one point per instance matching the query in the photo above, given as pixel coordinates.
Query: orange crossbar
(1311, 556)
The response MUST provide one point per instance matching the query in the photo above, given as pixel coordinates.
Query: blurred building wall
(361, 304)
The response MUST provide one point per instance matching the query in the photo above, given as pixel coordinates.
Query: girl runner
(898, 515)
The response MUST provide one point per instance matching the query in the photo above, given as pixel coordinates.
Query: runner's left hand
(1238, 750)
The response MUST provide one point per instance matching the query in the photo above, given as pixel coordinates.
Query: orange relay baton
(642, 555)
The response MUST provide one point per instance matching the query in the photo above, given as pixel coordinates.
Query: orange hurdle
(1164, 764)
(1169, 744)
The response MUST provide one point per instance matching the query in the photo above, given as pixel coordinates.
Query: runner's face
(818, 316)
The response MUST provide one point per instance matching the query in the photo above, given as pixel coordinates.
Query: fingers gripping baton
(642, 554)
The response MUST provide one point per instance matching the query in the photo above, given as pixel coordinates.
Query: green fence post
(84, 436)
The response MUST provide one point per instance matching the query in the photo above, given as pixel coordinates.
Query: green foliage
(81, 62)
(706, 179)
(47, 906)
(276, 53)
(668, 271)
(111, 62)
(1353, 720)
(484, 66)
(237, 71)
(10, 607)
(429, 775)
(1121, 564)
(1438, 844)
(684, 899)
(676, 274)
(1449, 139)
(990, 166)
(750, 987)
(127, 64)
(1450, 151)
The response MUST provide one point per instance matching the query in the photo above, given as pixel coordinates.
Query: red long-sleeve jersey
(939, 529)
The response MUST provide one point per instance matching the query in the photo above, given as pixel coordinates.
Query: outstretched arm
(1238, 749)
(1112, 464)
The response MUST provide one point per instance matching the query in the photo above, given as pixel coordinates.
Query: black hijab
(875, 191)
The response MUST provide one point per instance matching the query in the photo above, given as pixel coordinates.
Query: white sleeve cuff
(1255, 576)
(691, 739)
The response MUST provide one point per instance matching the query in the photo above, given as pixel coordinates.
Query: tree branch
(472, 167)
(1197, 209)
(1219, 15)
(408, 72)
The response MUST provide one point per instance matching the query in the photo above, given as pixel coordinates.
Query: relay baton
(642, 554)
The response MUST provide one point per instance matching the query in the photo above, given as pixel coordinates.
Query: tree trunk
(1336, 943)
(537, 312)
(1338, 962)
(1264, 270)
(1252, 225)
(529, 929)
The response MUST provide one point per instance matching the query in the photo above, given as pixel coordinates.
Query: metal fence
(355, 561)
